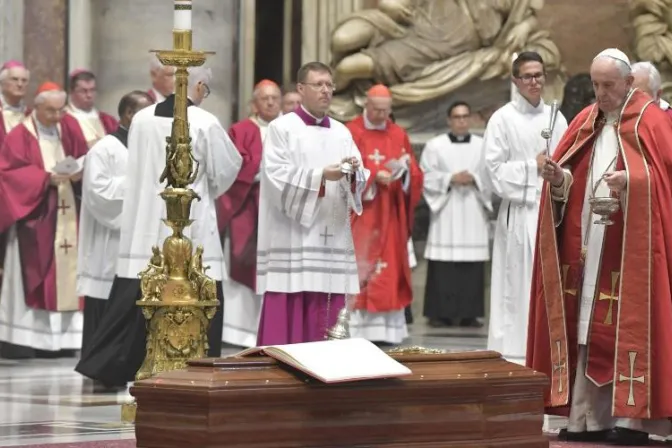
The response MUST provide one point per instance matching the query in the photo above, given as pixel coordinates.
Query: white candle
(182, 16)
(513, 86)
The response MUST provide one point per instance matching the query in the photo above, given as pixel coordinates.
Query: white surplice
(304, 241)
(20, 324)
(242, 305)
(143, 209)
(512, 142)
(103, 189)
(458, 223)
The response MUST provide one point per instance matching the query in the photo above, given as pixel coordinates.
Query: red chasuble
(238, 208)
(29, 201)
(381, 232)
(86, 133)
(629, 339)
(4, 130)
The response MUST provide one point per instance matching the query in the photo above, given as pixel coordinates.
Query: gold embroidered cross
(560, 367)
(611, 298)
(632, 378)
(565, 272)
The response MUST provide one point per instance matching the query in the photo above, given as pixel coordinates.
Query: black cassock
(455, 290)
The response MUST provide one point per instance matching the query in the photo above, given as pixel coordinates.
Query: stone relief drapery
(427, 49)
(652, 22)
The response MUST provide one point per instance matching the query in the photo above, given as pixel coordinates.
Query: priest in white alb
(458, 243)
(103, 186)
(514, 153)
(118, 346)
(311, 183)
(39, 306)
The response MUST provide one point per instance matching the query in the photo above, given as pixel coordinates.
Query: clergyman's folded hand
(616, 181)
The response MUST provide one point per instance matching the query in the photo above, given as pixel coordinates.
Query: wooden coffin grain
(469, 399)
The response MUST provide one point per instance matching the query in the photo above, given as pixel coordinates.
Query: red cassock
(70, 125)
(629, 340)
(238, 208)
(382, 231)
(3, 235)
(28, 200)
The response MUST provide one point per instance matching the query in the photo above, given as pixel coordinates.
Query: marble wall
(11, 30)
(123, 32)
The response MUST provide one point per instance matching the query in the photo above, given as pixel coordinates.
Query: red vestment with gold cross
(631, 322)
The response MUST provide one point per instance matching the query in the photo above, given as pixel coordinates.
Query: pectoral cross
(632, 378)
(63, 207)
(561, 366)
(611, 298)
(65, 246)
(380, 265)
(565, 272)
(377, 157)
(326, 235)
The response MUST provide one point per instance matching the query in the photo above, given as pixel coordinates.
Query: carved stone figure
(652, 24)
(427, 49)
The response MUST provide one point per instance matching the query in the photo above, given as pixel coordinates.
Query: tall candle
(513, 86)
(182, 16)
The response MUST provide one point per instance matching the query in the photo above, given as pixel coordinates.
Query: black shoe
(471, 322)
(583, 436)
(627, 437)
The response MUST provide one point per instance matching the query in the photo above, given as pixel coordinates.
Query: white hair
(4, 74)
(655, 83)
(198, 75)
(49, 94)
(623, 67)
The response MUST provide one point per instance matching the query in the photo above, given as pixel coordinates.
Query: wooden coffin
(470, 399)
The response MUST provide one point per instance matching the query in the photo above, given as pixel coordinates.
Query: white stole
(89, 123)
(65, 241)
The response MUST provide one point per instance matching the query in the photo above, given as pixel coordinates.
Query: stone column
(123, 32)
(11, 30)
(246, 55)
(320, 17)
(79, 34)
(44, 41)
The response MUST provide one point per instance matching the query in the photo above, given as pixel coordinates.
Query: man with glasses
(305, 258)
(82, 120)
(118, 347)
(514, 152)
(458, 244)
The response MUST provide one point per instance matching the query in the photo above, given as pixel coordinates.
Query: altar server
(39, 305)
(305, 260)
(514, 152)
(238, 213)
(102, 197)
(118, 346)
(458, 245)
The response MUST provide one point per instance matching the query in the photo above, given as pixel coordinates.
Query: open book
(335, 361)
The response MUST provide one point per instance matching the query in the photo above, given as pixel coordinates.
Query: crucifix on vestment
(65, 245)
(326, 235)
(377, 157)
(632, 378)
(611, 298)
(560, 367)
(380, 265)
(63, 207)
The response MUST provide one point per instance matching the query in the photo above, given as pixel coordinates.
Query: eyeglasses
(320, 86)
(527, 79)
(207, 90)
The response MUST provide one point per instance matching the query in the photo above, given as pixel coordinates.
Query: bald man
(237, 214)
(647, 79)
(382, 231)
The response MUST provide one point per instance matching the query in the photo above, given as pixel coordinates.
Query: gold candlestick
(178, 298)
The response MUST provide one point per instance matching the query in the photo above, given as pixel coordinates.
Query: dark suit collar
(167, 107)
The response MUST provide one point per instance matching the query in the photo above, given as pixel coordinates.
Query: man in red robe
(39, 306)
(600, 313)
(14, 79)
(237, 213)
(163, 80)
(382, 231)
(82, 120)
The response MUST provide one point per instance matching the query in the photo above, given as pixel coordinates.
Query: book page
(339, 360)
